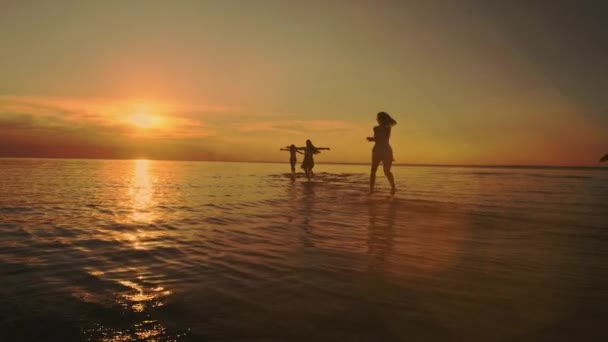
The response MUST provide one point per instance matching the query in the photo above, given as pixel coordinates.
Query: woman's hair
(385, 119)
(311, 146)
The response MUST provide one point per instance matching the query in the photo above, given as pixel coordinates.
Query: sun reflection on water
(141, 192)
(141, 297)
(138, 301)
(147, 330)
(134, 295)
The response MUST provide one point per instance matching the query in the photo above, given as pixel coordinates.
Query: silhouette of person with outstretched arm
(292, 157)
(308, 163)
(382, 151)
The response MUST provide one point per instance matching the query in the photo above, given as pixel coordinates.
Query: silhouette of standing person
(292, 157)
(308, 163)
(382, 151)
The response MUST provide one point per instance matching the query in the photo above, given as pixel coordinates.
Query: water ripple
(138, 251)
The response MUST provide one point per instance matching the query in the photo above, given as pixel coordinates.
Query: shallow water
(196, 251)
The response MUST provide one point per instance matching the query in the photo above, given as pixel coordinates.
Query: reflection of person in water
(382, 151)
(305, 211)
(381, 234)
(308, 163)
(604, 158)
(292, 157)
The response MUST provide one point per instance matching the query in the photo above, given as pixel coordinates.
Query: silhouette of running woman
(604, 158)
(292, 157)
(382, 151)
(308, 163)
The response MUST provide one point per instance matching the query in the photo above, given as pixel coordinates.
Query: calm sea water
(197, 251)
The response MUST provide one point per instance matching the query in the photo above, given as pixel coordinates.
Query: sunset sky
(469, 82)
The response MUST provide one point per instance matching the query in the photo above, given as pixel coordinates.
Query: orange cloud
(102, 128)
(102, 115)
(297, 126)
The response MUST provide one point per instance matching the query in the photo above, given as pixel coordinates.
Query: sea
(143, 250)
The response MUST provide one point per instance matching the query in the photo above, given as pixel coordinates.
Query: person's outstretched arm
(323, 148)
(370, 139)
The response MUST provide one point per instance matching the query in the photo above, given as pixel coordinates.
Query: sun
(143, 120)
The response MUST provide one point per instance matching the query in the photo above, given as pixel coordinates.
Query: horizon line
(599, 166)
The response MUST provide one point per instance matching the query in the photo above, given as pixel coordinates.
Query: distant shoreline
(344, 163)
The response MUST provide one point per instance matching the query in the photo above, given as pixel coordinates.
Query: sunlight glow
(144, 120)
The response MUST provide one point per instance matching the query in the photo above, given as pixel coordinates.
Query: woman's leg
(387, 163)
(372, 175)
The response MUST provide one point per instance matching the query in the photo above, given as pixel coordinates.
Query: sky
(469, 82)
